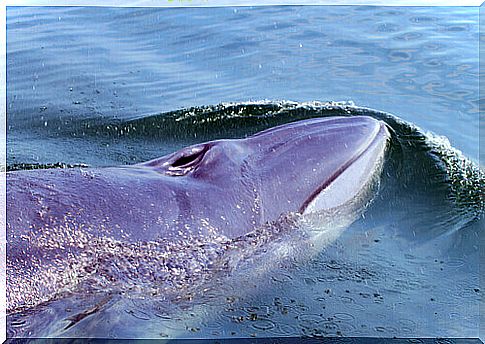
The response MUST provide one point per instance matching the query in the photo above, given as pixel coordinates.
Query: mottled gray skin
(224, 187)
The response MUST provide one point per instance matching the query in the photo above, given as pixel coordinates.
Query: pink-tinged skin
(224, 187)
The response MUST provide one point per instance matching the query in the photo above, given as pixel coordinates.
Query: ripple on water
(310, 280)
(263, 325)
(400, 55)
(344, 316)
(347, 328)
(390, 330)
(407, 325)
(408, 36)
(327, 278)
(309, 320)
(286, 330)
(347, 299)
(351, 304)
(320, 299)
(432, 63)
(334, 265)
(434, 46)
(406, 330)
(280, 277)
(455, 263)
(456, 28)
(461, 292)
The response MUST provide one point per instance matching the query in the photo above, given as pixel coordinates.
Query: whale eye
(186, 160)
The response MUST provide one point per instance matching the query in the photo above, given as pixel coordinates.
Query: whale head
(305, 166)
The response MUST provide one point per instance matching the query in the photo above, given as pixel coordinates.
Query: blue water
(99, 86)
(66, 63)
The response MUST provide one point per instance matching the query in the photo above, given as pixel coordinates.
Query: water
(70, 63)
(107, 86)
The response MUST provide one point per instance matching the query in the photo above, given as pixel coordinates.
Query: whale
(60, 220)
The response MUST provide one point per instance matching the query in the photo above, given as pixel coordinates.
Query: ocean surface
(97, 86)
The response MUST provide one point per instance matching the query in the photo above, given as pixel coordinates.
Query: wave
(420, 158)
